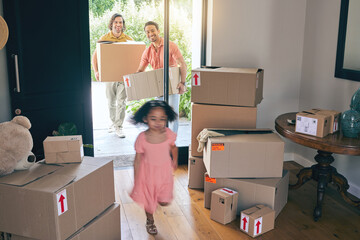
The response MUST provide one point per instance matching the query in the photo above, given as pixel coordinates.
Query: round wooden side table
(322, 172)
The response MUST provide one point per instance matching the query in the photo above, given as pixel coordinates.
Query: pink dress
(154, 181)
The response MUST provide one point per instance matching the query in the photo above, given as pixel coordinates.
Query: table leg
(303, 176)
(342, 184)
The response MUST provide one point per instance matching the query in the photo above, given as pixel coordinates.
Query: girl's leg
(150, 225)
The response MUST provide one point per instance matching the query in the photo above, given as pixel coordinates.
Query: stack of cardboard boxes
(61, 201)
(246, 161)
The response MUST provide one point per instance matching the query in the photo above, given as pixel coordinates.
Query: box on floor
(116, 59)
(227, 86)
(250, 153)
(104, 226)
(63, 149)
(272, 192)
(54, 201)
(224, 205)
(257, 220)
(216, 116)
(196, 171)
(150, 83)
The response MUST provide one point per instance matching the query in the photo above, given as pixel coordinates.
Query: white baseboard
(354, 189)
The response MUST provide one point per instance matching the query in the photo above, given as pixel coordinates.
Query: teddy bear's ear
(22, 120)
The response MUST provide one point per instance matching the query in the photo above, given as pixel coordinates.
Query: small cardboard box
(215, 116)
(63, 149)
(196, 170)
(54, 201)
(313, 123)
(118, 59)
(250, 153)
(334, 115)
(224, 205)
(151, 83)
(272, 192)
(257, 220)
(227, 86)
(104, 226)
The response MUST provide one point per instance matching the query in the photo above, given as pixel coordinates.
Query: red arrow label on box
(62, 202)
(127, 81)
(258, 226)
(195, 79)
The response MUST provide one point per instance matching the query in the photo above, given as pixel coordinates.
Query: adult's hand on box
(181, 87)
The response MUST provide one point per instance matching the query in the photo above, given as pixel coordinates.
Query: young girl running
(156, 158)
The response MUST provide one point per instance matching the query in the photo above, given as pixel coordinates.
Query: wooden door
(48, 52)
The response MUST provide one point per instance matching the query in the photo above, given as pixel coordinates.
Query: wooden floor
(186, 218)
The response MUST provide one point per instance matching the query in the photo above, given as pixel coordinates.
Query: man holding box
(154, 55)
(115, 91)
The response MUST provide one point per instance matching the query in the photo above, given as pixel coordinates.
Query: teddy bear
(16, 144)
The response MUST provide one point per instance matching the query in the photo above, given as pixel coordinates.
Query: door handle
(17, 89)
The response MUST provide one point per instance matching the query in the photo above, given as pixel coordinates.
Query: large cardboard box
(257, 220)
(215, 116)
(151, 83)
(314, 124)
(196, 171)
(63, 149)
(224, 205)
(227, 86)
(334, 117)
(118, 59)
(250, 153)
(54, 201)
(272, 192)
(104, 226)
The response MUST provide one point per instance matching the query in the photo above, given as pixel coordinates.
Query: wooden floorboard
(186, 218)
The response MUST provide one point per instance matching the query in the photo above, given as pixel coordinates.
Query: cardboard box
(196, 170)
(272, 192)
(215, 116)
(227, 86)
(104, 226)
(63, 149)
(151, 83)
(334, 117)
(314, 124)
(251, 153)
(224, 205)
(257, 220)
(118, 59)
(54, 201)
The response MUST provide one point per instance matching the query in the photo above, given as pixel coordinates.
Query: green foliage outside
(136, 14)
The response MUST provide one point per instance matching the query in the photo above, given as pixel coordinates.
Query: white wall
(295, 42)
(319, 87)
(266, 34)
(4, 87)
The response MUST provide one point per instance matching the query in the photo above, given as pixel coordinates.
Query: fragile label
(217, 147)
(258, 226)
(61, 199)
(127, 81)
(228, 191)
(195, 76)
(209, 179)
(244, 222)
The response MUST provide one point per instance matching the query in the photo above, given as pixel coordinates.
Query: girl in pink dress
(156, 158)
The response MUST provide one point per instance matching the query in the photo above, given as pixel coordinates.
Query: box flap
(22, 178)
(51, 183)
(228, 70)
(270, 182)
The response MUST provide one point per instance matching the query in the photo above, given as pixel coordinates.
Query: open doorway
(136, 13)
